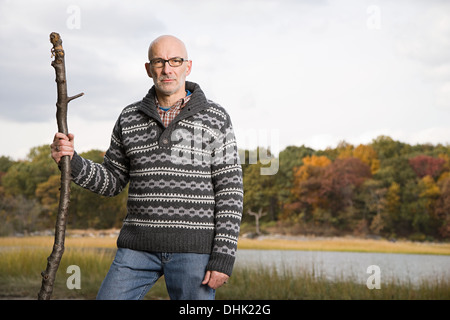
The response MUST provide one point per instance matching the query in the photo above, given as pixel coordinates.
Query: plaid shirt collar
(168, 114)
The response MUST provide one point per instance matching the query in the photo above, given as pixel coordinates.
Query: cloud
(426, 40)
(102, 56)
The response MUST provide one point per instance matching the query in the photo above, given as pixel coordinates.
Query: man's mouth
(168, 80)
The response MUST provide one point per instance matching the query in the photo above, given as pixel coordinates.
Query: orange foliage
(364, 153)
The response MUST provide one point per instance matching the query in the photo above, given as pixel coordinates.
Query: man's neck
(168, 101)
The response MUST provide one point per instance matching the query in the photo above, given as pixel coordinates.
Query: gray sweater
(185, 192)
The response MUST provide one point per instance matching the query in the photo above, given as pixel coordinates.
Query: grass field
(346, 244)
(23, 259)
(263, 243)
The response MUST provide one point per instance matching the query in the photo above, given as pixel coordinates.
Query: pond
(401, 268)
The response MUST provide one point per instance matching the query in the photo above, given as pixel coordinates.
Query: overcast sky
(289, 72)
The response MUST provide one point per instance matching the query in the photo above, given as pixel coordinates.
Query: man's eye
(176, 61)
(157, 61)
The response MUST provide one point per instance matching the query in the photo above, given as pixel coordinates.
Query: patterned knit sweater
(185, 181)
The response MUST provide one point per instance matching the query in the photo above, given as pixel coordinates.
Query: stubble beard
(169, 89)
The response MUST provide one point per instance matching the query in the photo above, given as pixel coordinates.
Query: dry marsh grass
(262, 243)
(23, 259)
(346, 244)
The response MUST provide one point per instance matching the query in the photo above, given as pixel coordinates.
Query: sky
(288, 72)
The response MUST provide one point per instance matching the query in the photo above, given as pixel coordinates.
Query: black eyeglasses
(173, 62)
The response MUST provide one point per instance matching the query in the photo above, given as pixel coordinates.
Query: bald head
(166, 47)
(169, 80)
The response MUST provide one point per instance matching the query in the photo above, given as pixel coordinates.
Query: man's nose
(166, 68)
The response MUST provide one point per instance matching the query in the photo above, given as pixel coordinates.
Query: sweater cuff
(76, 164)
(221, 262)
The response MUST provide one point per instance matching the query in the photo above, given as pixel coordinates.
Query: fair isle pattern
(185, 180)
(170, 224)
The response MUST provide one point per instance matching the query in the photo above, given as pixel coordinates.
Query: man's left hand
(215, 279)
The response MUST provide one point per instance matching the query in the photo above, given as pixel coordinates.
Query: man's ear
(189, 67)
(148, 69)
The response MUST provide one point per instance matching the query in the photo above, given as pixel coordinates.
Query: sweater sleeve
(108, 178)
(228, 190)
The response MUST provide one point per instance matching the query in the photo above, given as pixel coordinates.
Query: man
(178, 152)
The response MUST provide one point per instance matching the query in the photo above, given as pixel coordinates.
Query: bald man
(177, 151)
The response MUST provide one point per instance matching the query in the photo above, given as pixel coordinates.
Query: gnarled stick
(49, 275)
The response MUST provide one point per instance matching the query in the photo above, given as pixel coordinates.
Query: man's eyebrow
(175, 57)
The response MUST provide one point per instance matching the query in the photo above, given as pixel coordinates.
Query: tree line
(385, 188)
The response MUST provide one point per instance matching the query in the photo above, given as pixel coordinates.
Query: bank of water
(356, 266)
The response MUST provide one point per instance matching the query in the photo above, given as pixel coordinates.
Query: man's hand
(215, 279)
(62, 146)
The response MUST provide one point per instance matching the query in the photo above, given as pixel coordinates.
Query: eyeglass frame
(168, 61)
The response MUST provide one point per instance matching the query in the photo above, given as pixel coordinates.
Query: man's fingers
(215, 279)
(62, 136)
(62, 146)
(207, 277)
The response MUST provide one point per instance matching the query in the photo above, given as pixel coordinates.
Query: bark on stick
(49, 275)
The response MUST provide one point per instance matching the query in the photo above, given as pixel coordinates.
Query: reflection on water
(351, 265)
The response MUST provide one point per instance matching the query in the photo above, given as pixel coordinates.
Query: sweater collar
(197, 102)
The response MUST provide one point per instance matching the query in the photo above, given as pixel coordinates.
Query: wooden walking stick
(49, 275)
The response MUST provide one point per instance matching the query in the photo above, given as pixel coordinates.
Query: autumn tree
(320, 191)
(424, 165)
(306, 187)
(339, 182)
(367, 155)
(290, 159)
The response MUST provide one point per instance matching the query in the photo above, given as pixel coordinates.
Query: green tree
(370, 201)
(442, 209)
(412, 213)
(392, 207)
(5, 163)
(48, 195)
(260, 192)
(427, 222)
(387, 148)
(290, 158)
(24, 176)
(396, 169)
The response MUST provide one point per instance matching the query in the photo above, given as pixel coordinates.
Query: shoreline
(342, 244)
(107, 239)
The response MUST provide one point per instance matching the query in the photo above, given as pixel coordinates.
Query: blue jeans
(133, 273)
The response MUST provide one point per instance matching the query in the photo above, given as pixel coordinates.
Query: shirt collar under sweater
(168, 114)
(196, 103)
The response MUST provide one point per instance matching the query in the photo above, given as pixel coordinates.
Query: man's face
(168, 80)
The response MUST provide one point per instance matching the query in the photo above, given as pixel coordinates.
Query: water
(401, 268)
